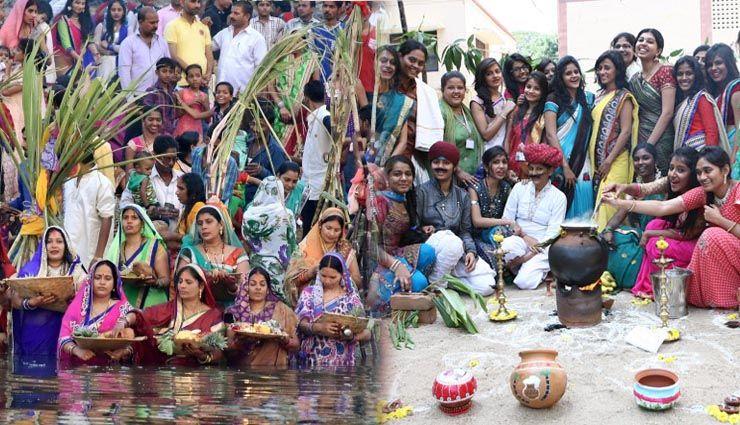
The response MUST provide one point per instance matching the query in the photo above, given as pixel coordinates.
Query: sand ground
(599, 363)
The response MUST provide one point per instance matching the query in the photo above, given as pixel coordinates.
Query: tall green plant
(462, 52)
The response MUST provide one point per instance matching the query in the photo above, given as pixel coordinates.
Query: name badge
(470, 144)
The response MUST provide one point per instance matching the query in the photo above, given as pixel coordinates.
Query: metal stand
(502, 314)
(662, 262)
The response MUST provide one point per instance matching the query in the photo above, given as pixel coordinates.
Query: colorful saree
(78, 316)
(191, 250)
(392, 112)
(686, 113)
(730, 122)
(310, 251)
(606, 115)
(393, 221)
(267, 352)
(140, 296)
(318, 350)
(290, 87)
(649, 99)
(169, 319)
(461, 130)
(35, 332)
(574, 135)
(268, 227)
(518, 138)
(491, 207)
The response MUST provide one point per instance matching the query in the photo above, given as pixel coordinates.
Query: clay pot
(538, 381)
(578, 308)
(578, 257)
(454, 389)
(656, 389)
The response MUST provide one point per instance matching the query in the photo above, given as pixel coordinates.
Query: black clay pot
(579, 256)
(577, 308)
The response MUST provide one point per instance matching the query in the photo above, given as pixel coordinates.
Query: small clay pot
(454, 389)
(538, 381)
(656, 389)
(732, 401)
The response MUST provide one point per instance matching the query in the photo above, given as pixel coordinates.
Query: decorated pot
(454, 389)
(578, 257)
(656, 389)
(538, 381)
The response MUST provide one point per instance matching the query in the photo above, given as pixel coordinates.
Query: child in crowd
(5, 62)
(138, 180)
(176, 74)
(194, 102)
(162, 95)
(186, 142)
(224, 100)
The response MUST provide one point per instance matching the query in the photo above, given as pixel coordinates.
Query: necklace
(213, 258)
(721, 201)
(198, 309)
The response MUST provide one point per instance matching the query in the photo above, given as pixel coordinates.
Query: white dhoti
(450, 253)
(532, 272)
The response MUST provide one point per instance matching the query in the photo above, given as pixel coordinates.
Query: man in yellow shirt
(189, 40)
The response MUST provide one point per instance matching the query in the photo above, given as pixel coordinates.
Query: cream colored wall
(593, 24)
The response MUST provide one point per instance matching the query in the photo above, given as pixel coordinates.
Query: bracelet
(208, 359)
(632, 207)
(731, 228)
(26, 305)
(71, 348)
(162, 283)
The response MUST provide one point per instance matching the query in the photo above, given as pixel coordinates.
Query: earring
(725, 179)
(200, 294)
(221, 231)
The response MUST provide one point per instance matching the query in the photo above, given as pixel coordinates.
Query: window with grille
(725, 14)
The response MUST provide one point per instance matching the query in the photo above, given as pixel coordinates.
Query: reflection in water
(187, 396)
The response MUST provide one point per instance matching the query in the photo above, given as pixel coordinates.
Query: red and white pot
(454, 389)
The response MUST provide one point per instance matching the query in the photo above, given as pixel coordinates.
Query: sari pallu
(724, 103)
(518, 138)
(392, 112)
(269, 228)
(606, 115)
(36, 332)
(68, 36)
(686, 113)
(573, 133)
(394, 222)
(318, 350)
(461, 130)
(159, 320)
(78, 317)
(140, 296)
(650, 108)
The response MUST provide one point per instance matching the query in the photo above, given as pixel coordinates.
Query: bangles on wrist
(26, 306)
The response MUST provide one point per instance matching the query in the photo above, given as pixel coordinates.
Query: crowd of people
(430, 182)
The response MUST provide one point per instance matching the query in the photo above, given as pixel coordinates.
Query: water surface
(122, 394)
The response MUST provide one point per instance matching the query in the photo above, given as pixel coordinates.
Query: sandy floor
(600, 365)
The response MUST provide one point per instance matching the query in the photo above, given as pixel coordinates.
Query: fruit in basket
(188, 335)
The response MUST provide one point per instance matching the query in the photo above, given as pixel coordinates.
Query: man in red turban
(538, 208)
(541, 153)
(443, 211)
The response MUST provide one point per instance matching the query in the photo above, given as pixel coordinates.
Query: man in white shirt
(242, 48)
(89, 205)
(538, 208)
(140, 52)
(164, 182)
(316, 148)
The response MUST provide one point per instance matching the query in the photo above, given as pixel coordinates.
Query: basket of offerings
(99, 343)
(62, 287)
(345, 321)
(205, 341)
(262, 330)
(136, 275)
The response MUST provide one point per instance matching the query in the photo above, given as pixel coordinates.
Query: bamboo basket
(355, 324)
(100, 345)
(29, 287)
(255, 335)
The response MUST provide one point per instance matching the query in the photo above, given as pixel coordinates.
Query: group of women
(215, 284)
(652, 132)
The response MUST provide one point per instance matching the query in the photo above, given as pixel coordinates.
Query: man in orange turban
(538, 208)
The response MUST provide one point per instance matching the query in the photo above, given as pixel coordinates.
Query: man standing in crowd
(168, 14)
(163, 179)
(317, 144)
(538, 208)
(443, 209)
(139, 53)
(131, 16)
(189, 40)
(216, 16)
(304, 10)
(269, 26)
(241, 48)
(325, 35)
(89, 205)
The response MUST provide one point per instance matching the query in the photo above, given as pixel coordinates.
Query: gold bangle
(731, 228)
(632, 207)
